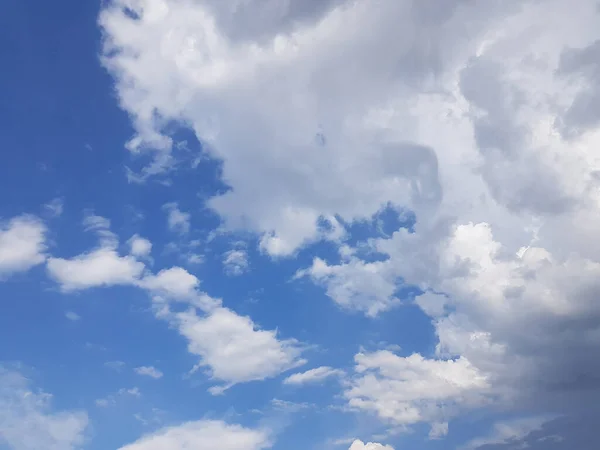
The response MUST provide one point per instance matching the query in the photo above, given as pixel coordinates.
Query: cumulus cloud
(281, 137)
(178, 284)
(100, 267)
(139, 246)
(409, 390)
(203, 434)
(357, 285)
(22, 244)
(312, 376)
(28, 422)
(360, 445)
(149, 371)
(481, 119)
(234, 349)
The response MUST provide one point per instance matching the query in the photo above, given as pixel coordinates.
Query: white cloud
(177, 220)
(412, 389)
(101, 226)
(235, 261)
(72, 316)
(234, 349)
(486, 130)
(111, 400)
(295, 153)
(149, 371)
(356, 285)
(27, 421)
(177, 283)
(55, 207)
(134, 392)
(312, 376)
(100, 267)
(209, 434)
(360, 445)
(22, 244)
(139, 246)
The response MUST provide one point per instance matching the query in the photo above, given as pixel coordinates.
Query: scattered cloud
(413, 389)
(98, 268)
(139, 246)
(72, 316)
(235, 261)
(178, 284)
(149, 371)
(177, 220)
(360, 445)
(356, 285)
(313, 376)
(28, 422)
(55, 207)
(211, 434)
(22, 244)
(111, 400)
(234, 349)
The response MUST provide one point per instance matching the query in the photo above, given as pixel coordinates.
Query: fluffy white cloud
(233, 348)
(481, 119)
(22, 244)
(177, 220)
(360, 445)
(178, 284)
(102, 266)
(408, 390)
(312, 376)
(204, 434)
(368, 287)
(296, 152)
(27, 421)
(139, 246)
(149, 371)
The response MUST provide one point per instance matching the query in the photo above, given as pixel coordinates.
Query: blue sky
(298, 225)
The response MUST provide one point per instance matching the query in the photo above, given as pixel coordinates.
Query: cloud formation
(234, 349)
(203, 434)
(28, 422)
(481, 120)
(149, 371)
(312, 376)
(22, 244)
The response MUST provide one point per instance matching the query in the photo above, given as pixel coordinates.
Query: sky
(299, 224)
